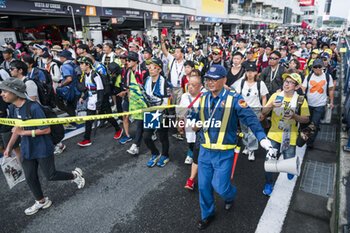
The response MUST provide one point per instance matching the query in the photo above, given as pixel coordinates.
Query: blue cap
(216, 72)
(67, 54)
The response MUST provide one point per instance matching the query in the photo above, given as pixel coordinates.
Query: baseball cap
(216, 72)
(155, 61)
(133, 56)
(325, 55)
(15, 86)
(296, 77)
(297, 53)
(148, 50)
(251, 67)
(217, 51)
(317, 62)
(66, 42)
(334, 42)
(315, 51)
(85, 60)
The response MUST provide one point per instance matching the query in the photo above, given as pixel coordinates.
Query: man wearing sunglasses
(219, 141)
(318, 86)
(272, 75)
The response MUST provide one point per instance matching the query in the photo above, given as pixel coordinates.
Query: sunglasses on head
(274, 58)
(317, 67)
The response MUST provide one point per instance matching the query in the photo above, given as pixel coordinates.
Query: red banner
(306, 2)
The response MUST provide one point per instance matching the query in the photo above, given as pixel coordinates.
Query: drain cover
(318, 178)
(327, 133)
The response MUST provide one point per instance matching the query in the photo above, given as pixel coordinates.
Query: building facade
(99, 19)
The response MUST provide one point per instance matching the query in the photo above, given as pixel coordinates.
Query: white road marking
(277, 207)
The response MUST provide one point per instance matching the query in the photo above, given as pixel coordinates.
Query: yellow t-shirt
(275, 133)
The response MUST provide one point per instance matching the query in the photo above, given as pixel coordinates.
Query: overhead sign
(306, 2)
(90, 11)
(213, 6)
(155, 15)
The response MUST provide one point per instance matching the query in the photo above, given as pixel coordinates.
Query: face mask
(44, 60)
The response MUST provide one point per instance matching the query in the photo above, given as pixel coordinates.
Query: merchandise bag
(13, 171)
(327, 115)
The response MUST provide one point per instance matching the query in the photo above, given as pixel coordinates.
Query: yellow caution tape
(63, 120)
(342, 50)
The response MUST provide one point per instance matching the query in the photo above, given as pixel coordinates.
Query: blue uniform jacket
(239, 111)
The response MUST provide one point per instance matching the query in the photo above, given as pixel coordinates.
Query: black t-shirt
(231, 78)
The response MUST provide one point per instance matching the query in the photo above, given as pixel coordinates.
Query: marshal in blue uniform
(218, 141)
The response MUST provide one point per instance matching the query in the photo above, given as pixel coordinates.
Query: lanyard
(177, 72)
(274, 76)
(211, 113)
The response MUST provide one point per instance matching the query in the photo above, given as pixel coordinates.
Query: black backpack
(106, 81)
(45, 90)
(57, 131)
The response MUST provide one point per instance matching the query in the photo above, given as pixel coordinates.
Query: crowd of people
(269, 86)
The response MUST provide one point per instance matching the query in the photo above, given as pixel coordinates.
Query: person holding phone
(285, 115)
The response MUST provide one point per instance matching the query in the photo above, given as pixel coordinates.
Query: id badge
(178, 82)
(281, 124)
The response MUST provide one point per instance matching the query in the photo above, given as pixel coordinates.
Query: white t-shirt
(183, 111)
(177, 71)
(93, 88)
(251, 94)
(317, 90)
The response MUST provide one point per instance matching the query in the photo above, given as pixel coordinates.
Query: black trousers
(106, 109)
(47, 165)
(163, 137)
(88, 125)
(139, 132)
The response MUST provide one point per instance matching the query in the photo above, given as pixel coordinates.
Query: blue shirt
(37, 147)
(239, 111)
(67, 70)
(41, 74)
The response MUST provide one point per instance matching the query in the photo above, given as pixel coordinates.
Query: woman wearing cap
(254, 91)
(315, 53)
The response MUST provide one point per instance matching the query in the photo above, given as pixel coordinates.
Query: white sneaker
(58, 150)
(79, 180)
(119, 122)
(154, 136)
(114, 108)
(70, 127)
(37, 206)
(134, 150)
(251, 156)
(245, 151)
(188, 160)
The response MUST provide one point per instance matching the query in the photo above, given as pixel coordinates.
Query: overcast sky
(339, 8)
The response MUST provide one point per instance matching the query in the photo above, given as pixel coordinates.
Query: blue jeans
(289, 153)
(316, 114)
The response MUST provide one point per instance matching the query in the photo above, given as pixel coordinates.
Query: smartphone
(279, 99)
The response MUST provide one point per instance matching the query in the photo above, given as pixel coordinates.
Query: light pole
(72, 11)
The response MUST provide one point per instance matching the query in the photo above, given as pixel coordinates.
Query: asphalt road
(123, 195)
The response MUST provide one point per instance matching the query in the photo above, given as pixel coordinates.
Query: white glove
(271, 153)
(266, 144)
